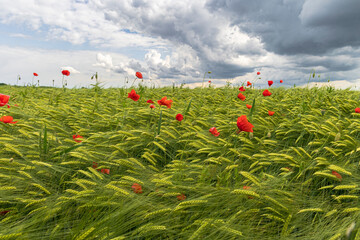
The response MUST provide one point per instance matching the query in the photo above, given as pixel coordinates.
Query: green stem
(159, 123)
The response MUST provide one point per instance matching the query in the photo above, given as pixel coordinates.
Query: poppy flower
(242, 89)
(138, 75)
(95, 165)
(7, 119)
(165, 102)
(105, 170)
(137, 188)
(4, 99)
(336, 174)
(133, 95)
(179, 117)
(150, 101)
(243, 124)
(271, 113)
(181, 197)
(214, 132)
(357, 110)
(281, 81)
(3, 213)
(76, 138)
(270, 83)
(8, 106)
(152, 106)
(266, 93)
(241, 97)
(248, 106)
(65, 72)
(35, 74)
(248, 83)
(209, 81)
(258, 73)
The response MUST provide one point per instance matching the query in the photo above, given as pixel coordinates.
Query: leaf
(159, 122)
(188, 107)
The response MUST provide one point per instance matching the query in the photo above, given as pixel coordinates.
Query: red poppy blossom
(271, 113)
(35, 74)
(242, 89)
(152, 106)
(133, 95)
(4, 99)
(65, 72)
(270, 83)
(137, 188)
(179, 117)
(138, 75)
(241, 96)
(357, 110)
(105, 170)
(7, 119)
(165, 101)
(336, 174)
(281, 81)
(8, 106)
(266, 93)
(95, 165)
(248, 83)
(244, 125)
(181, 197)
(248, 106)
(258, 73)
(209, 81)
(150, 101)
(76, 138)
(214, 132)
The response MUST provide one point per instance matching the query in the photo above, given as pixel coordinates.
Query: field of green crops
(139, 173)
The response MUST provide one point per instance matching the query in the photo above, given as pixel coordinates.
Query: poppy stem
(133, 83)
(252, 109)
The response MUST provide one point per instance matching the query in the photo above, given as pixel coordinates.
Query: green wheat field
(139, 173)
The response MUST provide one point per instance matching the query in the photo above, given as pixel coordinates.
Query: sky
(180, 42)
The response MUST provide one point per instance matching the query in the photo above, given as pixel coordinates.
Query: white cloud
(20, 35)
(49, 64)
(104, 61)
(74, 22)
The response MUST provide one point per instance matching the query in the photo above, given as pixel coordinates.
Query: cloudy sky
(178, 41)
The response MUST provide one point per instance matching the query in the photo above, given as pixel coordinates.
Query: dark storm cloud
(307, 34)
(340, 63)
(190, 24)
(225, 70)
(292, 27)
(337, 22)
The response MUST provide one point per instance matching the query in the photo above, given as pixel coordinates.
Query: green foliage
(53, 189)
